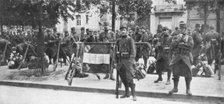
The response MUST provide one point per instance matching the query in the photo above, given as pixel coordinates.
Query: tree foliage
(141, 7)
(30, 12)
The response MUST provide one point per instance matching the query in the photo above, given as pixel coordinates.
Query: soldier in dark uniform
(82, 35)
(74, 35)
(198, 43)
(163, 56)
(104, 36)
(127, 53)
(181, 47)
(212, 40)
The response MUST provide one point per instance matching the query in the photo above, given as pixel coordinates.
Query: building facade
(197, 16)
(167, 14)
(91, 19)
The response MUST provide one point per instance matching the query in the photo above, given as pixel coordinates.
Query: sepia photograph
(111, 51)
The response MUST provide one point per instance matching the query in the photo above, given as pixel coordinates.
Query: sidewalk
(201, 87)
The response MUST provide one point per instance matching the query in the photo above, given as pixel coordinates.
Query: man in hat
(181, 47)
(104, 36)
(196, 35)
(126, 51)
(82, 35)
(74, 36)
(212, 41)
(163, 56)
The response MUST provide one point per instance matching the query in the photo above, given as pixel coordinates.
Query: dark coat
(181, 60)
(212, 40)
(197, 43)
(126, 45)
(163, 53)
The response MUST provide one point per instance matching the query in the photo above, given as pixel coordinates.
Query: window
(78, 18)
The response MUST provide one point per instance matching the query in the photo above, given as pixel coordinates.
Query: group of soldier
(175, 52)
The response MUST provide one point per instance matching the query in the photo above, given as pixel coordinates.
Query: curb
(109, 91)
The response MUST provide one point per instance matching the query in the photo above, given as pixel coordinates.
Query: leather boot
(127, 93)
(111, 75)
(159, 79)
(133, 91)
(175, 88)
(188, 84)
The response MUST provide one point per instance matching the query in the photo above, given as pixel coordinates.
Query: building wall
(196, 18)
(168, 17)
(94, 21)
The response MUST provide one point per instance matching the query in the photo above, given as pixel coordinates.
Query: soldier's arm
(190, 42)
(198, 37)
(133, 48)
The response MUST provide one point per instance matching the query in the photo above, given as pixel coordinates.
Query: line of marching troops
(175, 52)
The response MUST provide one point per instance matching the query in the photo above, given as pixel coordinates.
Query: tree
(141, 7)
(39, 14)
(127, 8)
(209, 6)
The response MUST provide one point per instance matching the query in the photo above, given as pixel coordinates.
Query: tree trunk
(205, 13)
(113, 15)
(40, 47)
(40, 43)
(218, 17)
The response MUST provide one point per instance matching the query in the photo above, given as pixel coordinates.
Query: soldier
(126, 52)
(163, 56)
(82, 35)
(180, 64)
(104, 36)
(196, 35)
(49, 37)
(74, 36)
(137, 34)
(212, 41)
(90, 37)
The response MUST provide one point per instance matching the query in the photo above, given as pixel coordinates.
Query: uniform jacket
(197, 43)
(163, 47)
(126, 45)
(176, 42)
(212, 40)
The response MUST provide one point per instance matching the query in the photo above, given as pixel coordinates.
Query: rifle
(57, 58)
(24, 56)
(118, 82)
(71, 71)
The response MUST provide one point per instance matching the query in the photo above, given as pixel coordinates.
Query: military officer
(181, 47)
(198, 43)
(127, 53)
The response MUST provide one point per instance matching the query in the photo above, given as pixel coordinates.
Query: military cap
(182, 23)
(106, 28)
(82, 28)
(123, 27)
(197, 25)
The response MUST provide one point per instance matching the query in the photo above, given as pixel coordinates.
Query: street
(20, 95)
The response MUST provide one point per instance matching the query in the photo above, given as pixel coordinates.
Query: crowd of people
(180, 52)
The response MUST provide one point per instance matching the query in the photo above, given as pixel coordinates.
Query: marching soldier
(127, 53)
(163, 56)
(181, 47)
(197, 38)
